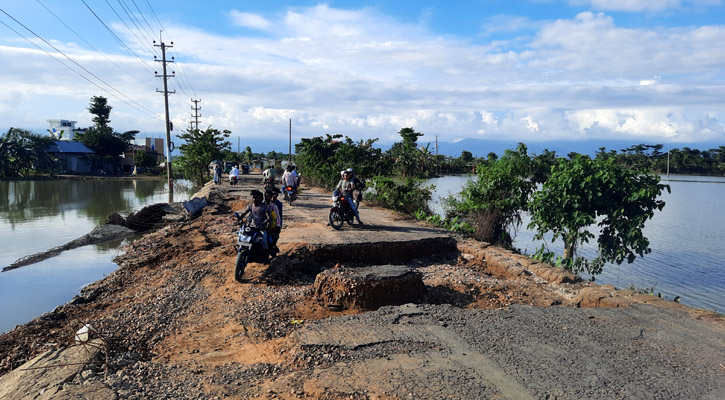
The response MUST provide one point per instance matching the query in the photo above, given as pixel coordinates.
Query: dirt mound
(368, 288)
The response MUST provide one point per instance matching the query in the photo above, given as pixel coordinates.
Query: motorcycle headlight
(335, 198)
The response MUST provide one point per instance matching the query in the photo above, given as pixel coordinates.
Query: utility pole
(169, 145)
(290, 141)
(196, 115)
(438, 167)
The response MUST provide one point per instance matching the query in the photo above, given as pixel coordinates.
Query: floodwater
(687, 241)
(38, 215)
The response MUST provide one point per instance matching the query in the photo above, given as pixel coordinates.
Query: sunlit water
(38, 215)
(687, 239)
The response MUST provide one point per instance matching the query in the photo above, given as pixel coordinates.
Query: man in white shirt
(234, 174)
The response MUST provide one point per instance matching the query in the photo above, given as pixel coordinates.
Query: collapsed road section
(486, 323)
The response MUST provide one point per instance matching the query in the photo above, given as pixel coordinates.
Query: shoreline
(178, 324)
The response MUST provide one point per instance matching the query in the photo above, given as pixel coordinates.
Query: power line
(73, 70)
(144, 17)
(91, 46)
(117, 38)
(127, 9)
(74, 62)
(134, 19)
(142, 41)
(162, 27)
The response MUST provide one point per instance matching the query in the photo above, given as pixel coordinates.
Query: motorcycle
(268, 184)
(249, 247)
(341, 211)
(290, 194)
(233, 180)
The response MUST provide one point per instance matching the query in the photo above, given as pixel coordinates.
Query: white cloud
(364, 74)
(642, 5)
(250, 20)
(656, 124)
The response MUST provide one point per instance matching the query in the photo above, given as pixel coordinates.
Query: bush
(408, 198)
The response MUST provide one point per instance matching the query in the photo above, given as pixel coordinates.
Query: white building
(63, 129)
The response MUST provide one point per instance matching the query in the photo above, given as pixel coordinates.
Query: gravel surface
(179, 326)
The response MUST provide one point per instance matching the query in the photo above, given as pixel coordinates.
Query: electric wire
(162, 27)
(143, 16)
(140, 60)
(175, 55)
(141, 41)
(173, 60)
(76, 63)
(134, 19)
(149, 112)
(117, 38)
(92, 47)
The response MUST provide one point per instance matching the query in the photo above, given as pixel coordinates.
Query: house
(63, 129)
(151, 146)
(72, 157)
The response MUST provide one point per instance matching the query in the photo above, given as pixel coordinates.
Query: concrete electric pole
(195, 123)
(169, 145)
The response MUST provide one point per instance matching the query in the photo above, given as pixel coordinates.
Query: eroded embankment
(178, 325)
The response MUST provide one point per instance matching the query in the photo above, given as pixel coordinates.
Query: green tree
(322, 158)
(247, 155)
(107, 144)
(200, 148)
(144, 159)
(493, 203)
(406, 154)
(582, 192)
(102, 113)
(22, 152)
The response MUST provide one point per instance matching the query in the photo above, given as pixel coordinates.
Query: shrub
(407, 198)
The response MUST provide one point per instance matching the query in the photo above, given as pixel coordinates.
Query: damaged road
(487, 324)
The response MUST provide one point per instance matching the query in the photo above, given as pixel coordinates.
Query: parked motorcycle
(249, 247)
(341, 211)
(290, 194)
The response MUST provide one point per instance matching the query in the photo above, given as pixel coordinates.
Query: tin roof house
(72, 157)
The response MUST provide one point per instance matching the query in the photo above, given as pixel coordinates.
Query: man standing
(275, 222)
(275, 194)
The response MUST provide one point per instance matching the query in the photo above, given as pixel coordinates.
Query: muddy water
(687, 240)
(38, 215)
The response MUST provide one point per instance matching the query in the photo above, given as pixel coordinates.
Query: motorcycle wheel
(242, 259)
(290, 199)
(336, 220)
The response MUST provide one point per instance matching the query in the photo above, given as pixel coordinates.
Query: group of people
(289, 179)
(265, 212)
(233, 173)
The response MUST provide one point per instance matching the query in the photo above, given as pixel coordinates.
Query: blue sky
(534, 71)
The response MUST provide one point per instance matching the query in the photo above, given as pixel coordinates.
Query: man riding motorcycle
(234, 175)
(346, 186)
(289, 179)
(259, 215)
